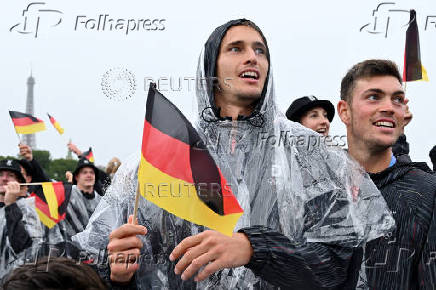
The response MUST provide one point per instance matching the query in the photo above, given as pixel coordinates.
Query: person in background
(20, 227)
(312, 113)
(112, 167)
(432, 155)
(54, 273)
(401, 147)
(31, 165)
(84, 198)
(103, 180)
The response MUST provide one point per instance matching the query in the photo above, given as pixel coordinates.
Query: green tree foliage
(58, 167)
(43, 158)
(7, 157)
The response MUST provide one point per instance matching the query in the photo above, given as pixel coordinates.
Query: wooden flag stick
(19, 138)
(135, 209)
(33, 183)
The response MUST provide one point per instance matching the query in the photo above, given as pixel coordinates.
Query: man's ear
(344, 112)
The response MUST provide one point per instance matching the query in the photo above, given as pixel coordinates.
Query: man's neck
(234, 109)
(372, 161)
(86, 189)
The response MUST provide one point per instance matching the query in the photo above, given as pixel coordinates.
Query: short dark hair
(54, 273)
(367, 69)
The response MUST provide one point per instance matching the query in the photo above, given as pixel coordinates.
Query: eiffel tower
(30, 139)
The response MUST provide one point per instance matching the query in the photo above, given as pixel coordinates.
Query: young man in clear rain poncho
(307, 210)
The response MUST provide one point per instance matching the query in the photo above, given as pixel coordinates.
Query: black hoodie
(406, 260)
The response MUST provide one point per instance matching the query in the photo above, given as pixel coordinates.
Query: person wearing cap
(312, 113)
(84, 198)
(103, 180)
(20, 227)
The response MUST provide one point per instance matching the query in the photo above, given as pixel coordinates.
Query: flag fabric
(177, 172)
(89, 155)
(56, 124)
(413, 69)
(25, 123)
(51, 201)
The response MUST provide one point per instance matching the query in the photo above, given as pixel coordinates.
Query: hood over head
(282, 174)
(207, 74)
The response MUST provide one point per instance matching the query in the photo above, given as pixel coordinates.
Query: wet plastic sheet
(304, 190)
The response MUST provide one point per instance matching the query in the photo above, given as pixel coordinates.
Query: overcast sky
(312, 43)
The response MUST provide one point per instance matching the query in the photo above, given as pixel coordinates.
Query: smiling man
(373, 108)
(84, 198)
(296, 231)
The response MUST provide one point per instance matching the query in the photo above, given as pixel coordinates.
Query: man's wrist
(260, 250)
(10, 200)
(247, 245)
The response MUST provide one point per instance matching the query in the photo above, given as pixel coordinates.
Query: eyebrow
(379, 91)
(239, 42)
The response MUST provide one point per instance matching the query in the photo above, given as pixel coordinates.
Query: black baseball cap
(304, 104)
(83, 162)
(13, 166)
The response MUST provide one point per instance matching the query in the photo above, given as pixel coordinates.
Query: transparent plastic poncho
(308, 192)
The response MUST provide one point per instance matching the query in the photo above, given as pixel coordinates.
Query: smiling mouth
(384, 124)
(322, 130)
(249, 75)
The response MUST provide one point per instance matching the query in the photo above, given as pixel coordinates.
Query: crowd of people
(315, 217)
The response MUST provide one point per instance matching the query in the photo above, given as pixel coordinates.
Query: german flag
(177, 172)
(413, 68)
(56, 124)
(51, 201)
(25, 123)
(89, 155)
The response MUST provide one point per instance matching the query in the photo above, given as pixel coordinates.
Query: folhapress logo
(36, 17)
(107, 23)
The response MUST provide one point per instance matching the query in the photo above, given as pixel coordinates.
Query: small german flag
(413, 68)
(56, 124)
(177, 172)
(89, 155)
(51, 201)
(25, 123)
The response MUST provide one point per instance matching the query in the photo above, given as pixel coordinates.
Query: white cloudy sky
(312, 45)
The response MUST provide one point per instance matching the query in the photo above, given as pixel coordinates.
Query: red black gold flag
(25, 123)
(51, 201)
(413, 68)
(177, 172)
(56, 124)
(89, 155)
